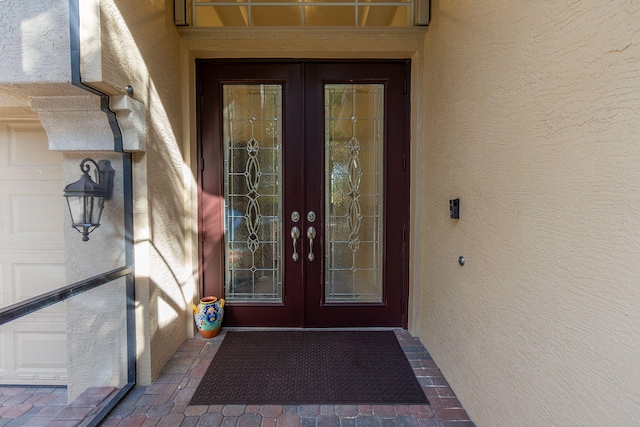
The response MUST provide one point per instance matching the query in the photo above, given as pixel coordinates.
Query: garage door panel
(22, 155)
(31, 344)
(32, 217)
(33, 279)
(25, 274)
(36, 215)
(32, 261)
(35, 348)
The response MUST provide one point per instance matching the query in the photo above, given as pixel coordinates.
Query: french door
(304, 191)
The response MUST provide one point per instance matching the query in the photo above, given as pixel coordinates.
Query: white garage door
(32, 348)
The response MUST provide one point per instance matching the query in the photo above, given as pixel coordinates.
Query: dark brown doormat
(309, 367)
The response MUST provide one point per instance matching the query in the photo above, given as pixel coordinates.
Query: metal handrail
(22, 308)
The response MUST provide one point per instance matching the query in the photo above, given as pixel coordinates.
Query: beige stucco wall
(96, 320)
(26, 58)
(532, 118)
(140, 46)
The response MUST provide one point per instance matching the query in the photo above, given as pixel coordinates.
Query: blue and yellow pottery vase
(208, 316)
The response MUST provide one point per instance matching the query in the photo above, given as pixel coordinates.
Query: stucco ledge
(132, 119)
(78, 123)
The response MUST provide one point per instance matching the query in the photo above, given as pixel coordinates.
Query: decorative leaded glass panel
(354, 117)
(252, 137)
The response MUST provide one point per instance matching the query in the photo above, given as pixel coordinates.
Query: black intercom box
(454, 208)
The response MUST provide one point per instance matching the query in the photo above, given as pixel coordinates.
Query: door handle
(311, 234)
(295, 234)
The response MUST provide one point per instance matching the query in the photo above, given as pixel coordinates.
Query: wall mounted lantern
(86, 198)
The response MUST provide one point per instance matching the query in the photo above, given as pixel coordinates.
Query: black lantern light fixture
(86, 198)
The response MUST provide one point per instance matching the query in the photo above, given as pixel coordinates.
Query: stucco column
(96, 320)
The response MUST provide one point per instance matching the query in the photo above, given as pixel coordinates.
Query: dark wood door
(304, 191)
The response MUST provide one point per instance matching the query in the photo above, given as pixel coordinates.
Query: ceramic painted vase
(208, 316)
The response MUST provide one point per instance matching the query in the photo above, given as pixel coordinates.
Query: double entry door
(304, 191)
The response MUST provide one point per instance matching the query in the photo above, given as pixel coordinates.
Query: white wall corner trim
(132, 119)
(74, 123)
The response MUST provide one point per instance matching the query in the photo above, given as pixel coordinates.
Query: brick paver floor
(165, 401)
(48, 406)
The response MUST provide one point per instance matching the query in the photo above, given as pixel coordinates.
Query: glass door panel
(252, 138)
(356, 140)
(354, 182)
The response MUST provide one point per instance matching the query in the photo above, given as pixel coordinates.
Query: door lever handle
(311, 234)
(295, 234)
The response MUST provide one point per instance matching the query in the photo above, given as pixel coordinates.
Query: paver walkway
(165, 401)
(47, 406)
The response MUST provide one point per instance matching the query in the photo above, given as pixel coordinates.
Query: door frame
(215, 257)
(310, 43)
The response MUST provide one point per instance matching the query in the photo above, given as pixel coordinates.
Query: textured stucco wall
(140, 46)
(31, 30)
(97, 338)
(105, 249)
(96, 320)
(532, 118)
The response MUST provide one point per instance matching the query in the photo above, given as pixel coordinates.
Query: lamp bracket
(104, 175)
